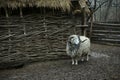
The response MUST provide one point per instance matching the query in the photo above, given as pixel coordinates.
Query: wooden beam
(107, 24)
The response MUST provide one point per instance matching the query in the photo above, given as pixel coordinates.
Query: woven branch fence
(34, 38)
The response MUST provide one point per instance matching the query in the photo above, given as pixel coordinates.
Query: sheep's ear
(83, 41)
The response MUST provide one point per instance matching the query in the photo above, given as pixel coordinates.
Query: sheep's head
(74, 39)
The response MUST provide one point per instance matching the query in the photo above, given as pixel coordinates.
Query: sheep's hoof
(76, 63)
(72, 63)
(87, 59)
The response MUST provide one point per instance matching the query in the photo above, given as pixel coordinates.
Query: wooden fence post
(6, 12)
(21, 13)
(91, 25)
(84, 22)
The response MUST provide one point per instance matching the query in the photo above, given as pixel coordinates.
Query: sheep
(78, 47)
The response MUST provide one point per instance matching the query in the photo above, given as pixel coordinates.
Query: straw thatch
(84, 5)
(63, 4)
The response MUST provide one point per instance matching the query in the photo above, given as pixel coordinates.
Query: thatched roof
(63, 4)
(83, 4)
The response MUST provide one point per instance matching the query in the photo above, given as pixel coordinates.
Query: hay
(65, 5)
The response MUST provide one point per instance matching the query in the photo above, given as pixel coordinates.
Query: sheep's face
(73, 40)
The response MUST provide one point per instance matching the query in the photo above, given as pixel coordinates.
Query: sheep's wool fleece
(84, 47)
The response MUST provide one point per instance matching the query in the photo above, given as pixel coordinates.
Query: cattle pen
(34, 33)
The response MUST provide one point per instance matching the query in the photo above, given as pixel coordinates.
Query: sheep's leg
(73, 61)
(76, 62)
(87, 58)
(82, 58)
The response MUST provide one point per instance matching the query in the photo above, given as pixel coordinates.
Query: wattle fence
(39, 38)
(34, 38)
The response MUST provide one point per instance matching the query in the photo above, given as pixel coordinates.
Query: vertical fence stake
(24, 29)
(10, 46)
(21, 13)
(24, 32)
(46, 35)
(6, 12)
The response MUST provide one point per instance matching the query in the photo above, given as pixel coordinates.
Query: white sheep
(78, 47)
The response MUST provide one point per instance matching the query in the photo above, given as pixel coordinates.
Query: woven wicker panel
(34, 37)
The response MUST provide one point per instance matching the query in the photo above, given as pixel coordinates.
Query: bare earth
(104, 64)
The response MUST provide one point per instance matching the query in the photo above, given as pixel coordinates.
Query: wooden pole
(84, 22)
(84, 17)
(0, 12)
(21, 13)
(91, 25)
(10, 45)
(6, 12)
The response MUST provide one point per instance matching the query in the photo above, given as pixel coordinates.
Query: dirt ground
(104, 64)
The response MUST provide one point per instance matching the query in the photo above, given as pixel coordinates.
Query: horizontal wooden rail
(106, 33)
(106, 24)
